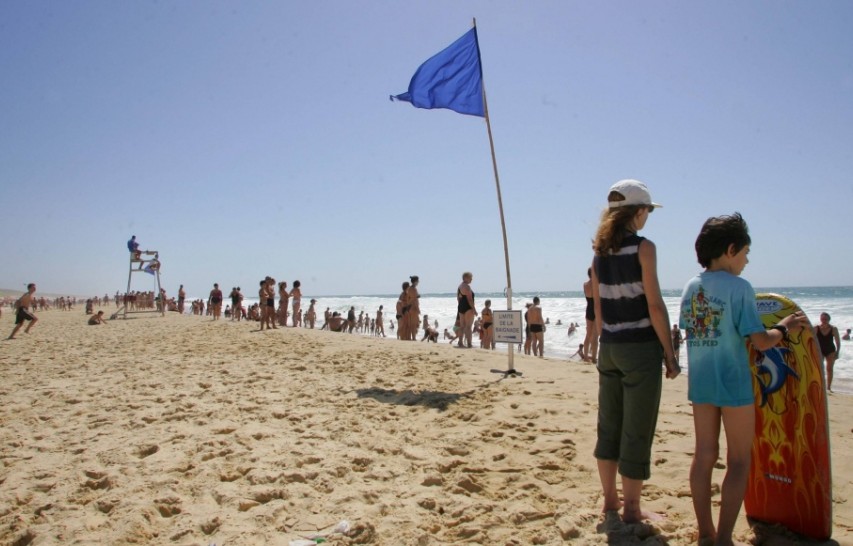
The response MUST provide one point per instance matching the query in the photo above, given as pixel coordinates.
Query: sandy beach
(181, 430)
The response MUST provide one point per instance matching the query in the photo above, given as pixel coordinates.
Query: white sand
(180, 430)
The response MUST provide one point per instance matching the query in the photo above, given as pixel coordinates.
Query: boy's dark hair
(717, 234)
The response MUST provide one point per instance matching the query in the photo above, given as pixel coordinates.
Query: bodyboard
(790, 480)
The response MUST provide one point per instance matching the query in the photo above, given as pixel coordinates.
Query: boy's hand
(795, 321)
(672, 367)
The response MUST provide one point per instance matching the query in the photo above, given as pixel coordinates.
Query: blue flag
(451, 79)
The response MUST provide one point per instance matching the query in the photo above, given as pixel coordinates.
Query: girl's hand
(672, 367)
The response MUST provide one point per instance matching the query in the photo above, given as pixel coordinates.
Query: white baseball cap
(634, 192)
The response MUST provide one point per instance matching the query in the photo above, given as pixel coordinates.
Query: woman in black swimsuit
(590, 341)
(830, 345)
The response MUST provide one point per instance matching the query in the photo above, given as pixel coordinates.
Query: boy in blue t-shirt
(718, 311)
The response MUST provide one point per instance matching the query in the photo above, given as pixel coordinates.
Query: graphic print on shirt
(703, 317)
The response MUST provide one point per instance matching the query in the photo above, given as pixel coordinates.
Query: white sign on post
(507, 326)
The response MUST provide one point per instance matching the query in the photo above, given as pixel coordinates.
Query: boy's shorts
(23, 315)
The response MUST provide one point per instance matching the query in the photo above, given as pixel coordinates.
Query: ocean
(568, 307)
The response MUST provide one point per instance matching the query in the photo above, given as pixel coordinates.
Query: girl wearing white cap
(633, 324)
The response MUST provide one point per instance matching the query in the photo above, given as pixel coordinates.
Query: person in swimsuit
(270, 303)
(413, 315)
(830, 345)
(537, 328)
(676, 340)
(590, 341)
(97, 319)
(465, 308)
(182, 296)
(22, 312)
(487, 341)
(262, 298)
(216, 301)
(401, 310)
(311, 315)
(337, 323)
(351, 320)
(380, 327)
(296, 299)
(283, 297)
(846, 336)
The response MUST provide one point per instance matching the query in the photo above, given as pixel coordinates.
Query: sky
(253, 138)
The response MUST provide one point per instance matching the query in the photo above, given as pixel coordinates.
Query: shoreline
(175, 430)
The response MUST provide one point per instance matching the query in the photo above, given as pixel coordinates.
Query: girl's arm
(657, 308)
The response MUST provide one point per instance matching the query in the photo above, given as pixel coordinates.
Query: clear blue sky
(244, 139)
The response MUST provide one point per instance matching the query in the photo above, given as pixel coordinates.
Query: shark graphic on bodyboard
(790, 480)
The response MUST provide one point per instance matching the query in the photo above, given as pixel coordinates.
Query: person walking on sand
(830, 345)
(719, 385)
(22, 311)
(537, 328)
(380, 326)
(465, 308)
(590, 341)
(632, 322)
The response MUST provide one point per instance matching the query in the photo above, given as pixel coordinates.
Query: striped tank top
(624, 309)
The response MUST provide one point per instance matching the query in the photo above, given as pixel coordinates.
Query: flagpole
(510, 347)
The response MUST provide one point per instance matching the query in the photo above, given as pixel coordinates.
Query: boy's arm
(657, 308)
(767, 339)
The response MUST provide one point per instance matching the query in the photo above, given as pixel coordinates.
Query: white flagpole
(510, 347)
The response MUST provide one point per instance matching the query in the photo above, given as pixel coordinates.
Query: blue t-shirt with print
(718, 312)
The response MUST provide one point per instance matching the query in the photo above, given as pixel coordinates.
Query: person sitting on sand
(579, 353)
(94, 320)
(337, 323)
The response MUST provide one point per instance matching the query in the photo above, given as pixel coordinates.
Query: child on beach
(718, 310)
(633, 324)
(95, 320)
(22, 311)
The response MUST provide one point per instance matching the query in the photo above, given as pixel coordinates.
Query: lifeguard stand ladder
(138, 262)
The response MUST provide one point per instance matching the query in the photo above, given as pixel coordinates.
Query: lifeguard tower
(146, 262)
